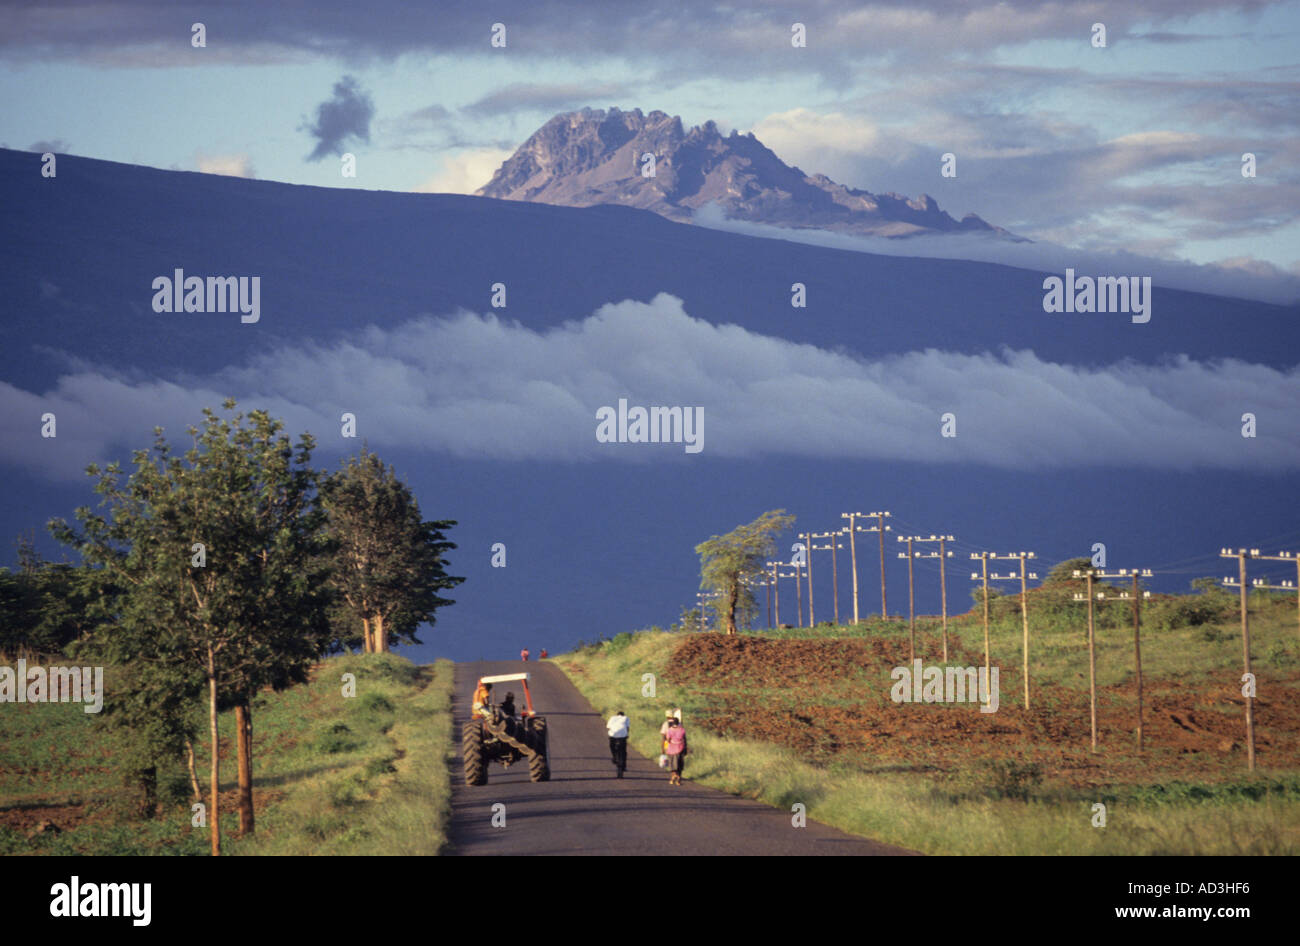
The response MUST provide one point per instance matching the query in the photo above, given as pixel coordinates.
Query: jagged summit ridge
(594, 156)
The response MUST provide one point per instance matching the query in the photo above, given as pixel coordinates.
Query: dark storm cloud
(707, 39)
(346, 115)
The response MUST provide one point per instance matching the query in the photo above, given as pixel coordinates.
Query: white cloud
(1263, 282)
(477, 386)
(802, 136)
(465, 172)
(231, 165)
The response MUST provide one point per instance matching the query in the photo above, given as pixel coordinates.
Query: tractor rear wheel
(471, 750)
(539, 764)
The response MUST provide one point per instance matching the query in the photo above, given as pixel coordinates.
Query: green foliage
(1064, 571)
(211, 568)
(1008, 778)
(727, 561)
(388, 562)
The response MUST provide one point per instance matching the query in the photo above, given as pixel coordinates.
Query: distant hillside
(592, 156)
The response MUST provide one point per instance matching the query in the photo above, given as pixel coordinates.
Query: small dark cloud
(1169, 38)
(54, 145)
(431, 113)
(346, 115)
(555, 97)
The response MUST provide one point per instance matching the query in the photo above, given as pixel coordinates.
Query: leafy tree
(1064, 571)
(388, 565)
(726, 561)
(218, 556)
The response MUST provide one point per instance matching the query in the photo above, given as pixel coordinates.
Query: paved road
(584, 809)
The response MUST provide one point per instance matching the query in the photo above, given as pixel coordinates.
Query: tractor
(494, 734)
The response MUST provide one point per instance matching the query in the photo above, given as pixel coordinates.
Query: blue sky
(1136, 146)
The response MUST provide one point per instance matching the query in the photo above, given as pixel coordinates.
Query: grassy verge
(332, 775)
(976, 807)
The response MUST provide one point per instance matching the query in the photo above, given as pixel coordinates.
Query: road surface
(584, 809)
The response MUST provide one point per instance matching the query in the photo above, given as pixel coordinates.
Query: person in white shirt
(618, 727)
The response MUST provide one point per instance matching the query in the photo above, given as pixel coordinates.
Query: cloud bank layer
(479, 386)
(1252, 280)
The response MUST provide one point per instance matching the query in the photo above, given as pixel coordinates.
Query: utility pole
(853, 528)
(1241, 555)
(777, 575)
(911, 599)
(984, 562)
(1284, 585)
(1023, 577)
(941, 555)
(773, 591)
(808, 550)
(835, 576)
(703, 598)
(798, 594)
(1092, 574)
(767, 595)
(882, 529)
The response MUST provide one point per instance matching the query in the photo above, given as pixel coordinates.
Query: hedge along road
(584, 809)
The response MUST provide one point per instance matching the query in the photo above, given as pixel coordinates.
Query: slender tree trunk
(365, 632)
(214, 816)
(244, 750)
(381, 637)
(149, 792)
(194, 775)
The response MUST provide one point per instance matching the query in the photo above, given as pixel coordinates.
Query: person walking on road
(675, 748)
(618, 727)
(668, 718)
(523, 655)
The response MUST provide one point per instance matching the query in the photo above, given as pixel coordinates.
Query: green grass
(984, 807)
(332, 775)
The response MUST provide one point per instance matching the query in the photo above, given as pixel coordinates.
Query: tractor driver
(483, 701)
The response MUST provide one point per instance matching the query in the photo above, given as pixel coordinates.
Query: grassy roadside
(385, 788)
(332, 775)
(978, 809)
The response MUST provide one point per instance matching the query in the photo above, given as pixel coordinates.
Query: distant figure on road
(523, 654)
(542, 655)
(617, 727)
(482, 697)
(675, 749)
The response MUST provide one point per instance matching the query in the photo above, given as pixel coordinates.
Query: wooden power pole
(911, 599)
(942, 555)
(1115, 594)
(1248, 679)
(984, 575)
(808, 550)
(832, 545)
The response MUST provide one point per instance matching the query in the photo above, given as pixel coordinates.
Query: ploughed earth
(829, 700)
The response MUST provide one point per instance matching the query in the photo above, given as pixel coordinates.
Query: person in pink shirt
(675, 748)
(523, 654)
